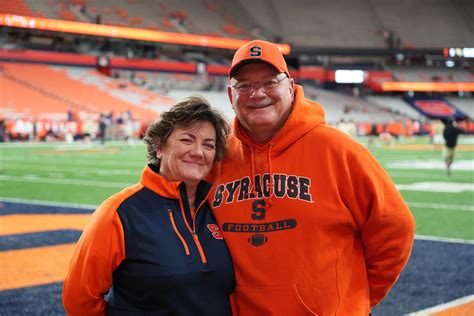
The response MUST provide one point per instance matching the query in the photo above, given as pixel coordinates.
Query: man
(314, 224)
(450, 135)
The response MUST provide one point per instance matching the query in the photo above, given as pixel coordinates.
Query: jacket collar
(170, 189)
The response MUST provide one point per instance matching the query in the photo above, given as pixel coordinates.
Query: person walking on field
(450, 134)
(313, 223)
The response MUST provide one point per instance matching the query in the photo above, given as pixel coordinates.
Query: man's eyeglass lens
(267, 84)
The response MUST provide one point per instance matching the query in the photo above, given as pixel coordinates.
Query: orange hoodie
(314, 224)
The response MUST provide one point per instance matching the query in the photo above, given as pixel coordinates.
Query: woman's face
(188, 154)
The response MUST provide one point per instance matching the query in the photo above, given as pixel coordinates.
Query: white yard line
(445, 239)
(442, 307)
(458, 164)
(98, 157)
(442, 187)
(66, 181)
(76, 161)
(421, 175)
(64, 145)
(451, 207)
(75, 170)
(48, 203)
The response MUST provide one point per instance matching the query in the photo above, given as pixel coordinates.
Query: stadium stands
(24, 100)
(195, 17)
(429, 24)
(327, 23)
(395, 104)
(363, 23)
(345, 23)
(166, 81)
(124, 90)
(464, 104)
(430, 74)
(339, 106)
(18, 7)
(55, 84)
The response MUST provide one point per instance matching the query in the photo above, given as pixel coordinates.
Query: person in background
(3, 131)
(314, 224)
(154, 248)
(438, 128)
(102, 128)
(373, 136)
(450, 135)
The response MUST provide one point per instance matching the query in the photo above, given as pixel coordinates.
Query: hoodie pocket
(269, 300)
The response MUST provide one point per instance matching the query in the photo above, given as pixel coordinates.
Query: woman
(155, 248)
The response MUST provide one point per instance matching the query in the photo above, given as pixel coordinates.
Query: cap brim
(236, 67)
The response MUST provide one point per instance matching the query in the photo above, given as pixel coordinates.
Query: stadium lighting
(449, 63)
(466, 52)
(427, 86)
(452, 52)
(349, 76)
(124, 32)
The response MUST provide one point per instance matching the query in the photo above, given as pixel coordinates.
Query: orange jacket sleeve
(384, 221)
(98, 253)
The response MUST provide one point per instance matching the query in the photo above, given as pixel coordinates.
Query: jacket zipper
(196, 238)
(186, 248)
(193, 230)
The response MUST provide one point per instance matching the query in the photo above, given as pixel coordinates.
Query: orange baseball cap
(259, 51)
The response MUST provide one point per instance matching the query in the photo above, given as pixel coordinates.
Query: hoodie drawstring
(253, 192)
(269, 199)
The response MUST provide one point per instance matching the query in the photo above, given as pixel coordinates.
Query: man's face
(261, 113)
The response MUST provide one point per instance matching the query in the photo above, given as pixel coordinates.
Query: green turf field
(80, 174)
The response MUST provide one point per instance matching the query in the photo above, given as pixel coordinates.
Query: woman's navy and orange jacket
(144, 253)
(314, 224)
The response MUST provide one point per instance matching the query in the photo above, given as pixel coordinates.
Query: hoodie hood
(305, 115)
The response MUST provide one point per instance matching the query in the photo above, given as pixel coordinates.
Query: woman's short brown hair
(185, 113)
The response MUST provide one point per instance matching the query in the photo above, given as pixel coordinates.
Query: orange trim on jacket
(337, 233)
(83, 289)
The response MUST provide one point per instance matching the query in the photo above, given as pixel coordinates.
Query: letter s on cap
(255, 51)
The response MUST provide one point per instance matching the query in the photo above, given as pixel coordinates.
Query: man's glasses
(268, 84)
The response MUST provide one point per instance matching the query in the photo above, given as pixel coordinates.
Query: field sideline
(47, 192)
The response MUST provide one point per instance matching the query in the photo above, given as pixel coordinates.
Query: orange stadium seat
(230, 28)
(80, 2)
(211, 6)
(121, 12)
(60, 86)
(18, 7)
(152, 26)
(136, 20)
(167, 23)
(30, 102)
(67, 15)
